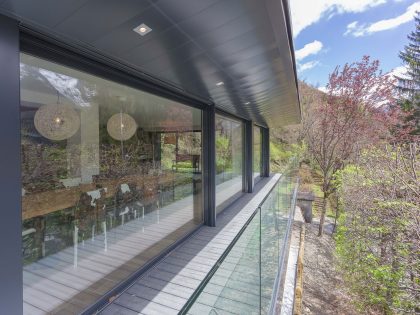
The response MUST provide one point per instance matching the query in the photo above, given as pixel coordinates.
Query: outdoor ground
(323, 288)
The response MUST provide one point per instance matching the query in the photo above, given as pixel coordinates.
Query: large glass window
(257, 163)
(229, 160)
(111, 176)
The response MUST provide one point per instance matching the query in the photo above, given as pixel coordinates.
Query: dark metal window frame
(265, 148)
(16, 38)
(58, 53)
(245, 145)
(40, 46)
(261, 150)
(249, 158)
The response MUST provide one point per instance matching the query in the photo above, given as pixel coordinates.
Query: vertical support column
(265, 152)
(209, 166)
(10, 179)
(249, 156)
(198, 209)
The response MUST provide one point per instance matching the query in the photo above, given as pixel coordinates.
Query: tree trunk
(323, 212)
(336, 213)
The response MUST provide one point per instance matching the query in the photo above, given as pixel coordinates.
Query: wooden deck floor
(166, 288)
(72, 279)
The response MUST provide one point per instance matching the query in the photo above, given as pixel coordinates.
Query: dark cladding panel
(10, 183)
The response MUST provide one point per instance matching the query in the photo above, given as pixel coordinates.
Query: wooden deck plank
(207, 259)
(142, 305)
(190, 273)
(158, 296)
(174, 279)
(29, 309)
(32, 281)
(164, 286)
(177, 279)
(183, 268)
(157, 309)
(62, 278)
(116, 309)
(205, 252)
(86, 263)
(56, 265)
(35, 282)
(41, 299)
(187, 264)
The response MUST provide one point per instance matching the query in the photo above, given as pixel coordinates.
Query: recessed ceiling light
(247, 103)
(142, 29)
(220, 83)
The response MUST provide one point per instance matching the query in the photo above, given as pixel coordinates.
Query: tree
(409, 83)
(353, 114)
(378, 238)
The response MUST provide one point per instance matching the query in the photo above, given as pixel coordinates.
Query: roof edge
(287, 15)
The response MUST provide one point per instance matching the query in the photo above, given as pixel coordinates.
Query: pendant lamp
(56, 121)
(121, 126)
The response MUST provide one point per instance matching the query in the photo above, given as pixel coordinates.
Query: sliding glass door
(111, 176)
(257, 156)
(229, 160)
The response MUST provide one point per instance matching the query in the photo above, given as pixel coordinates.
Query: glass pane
(246, 281)
(235, 287)
(111, 176)
(257, 152)
(270, 230)
(229, 161)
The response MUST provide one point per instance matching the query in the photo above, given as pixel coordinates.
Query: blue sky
(328, 33)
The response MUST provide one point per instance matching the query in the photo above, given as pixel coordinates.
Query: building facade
(126, 127)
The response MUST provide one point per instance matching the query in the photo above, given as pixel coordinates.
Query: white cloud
(309, 49)
(358, 30)
(352, 27)
(307, 65)
(308, 12)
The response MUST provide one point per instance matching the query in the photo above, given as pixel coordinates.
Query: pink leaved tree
(358, 110)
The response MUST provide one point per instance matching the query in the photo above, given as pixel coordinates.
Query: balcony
(236, 267)
(124, 151)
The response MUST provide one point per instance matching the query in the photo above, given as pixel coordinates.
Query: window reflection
(229, 161)
(257, 164)
(111, 176)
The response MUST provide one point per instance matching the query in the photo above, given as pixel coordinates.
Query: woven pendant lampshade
(56, 121)
(121, 126)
